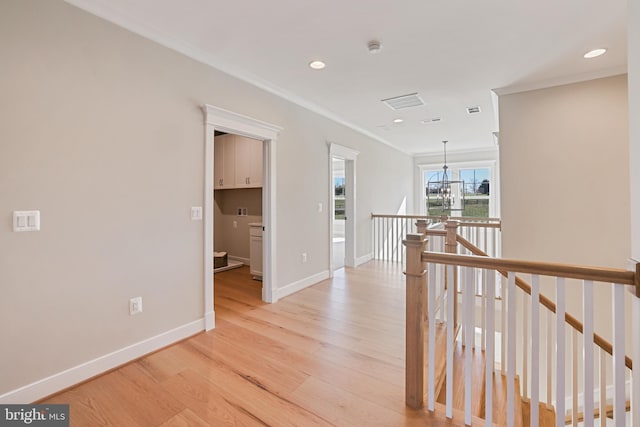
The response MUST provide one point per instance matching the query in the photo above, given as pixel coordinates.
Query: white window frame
(454, 167)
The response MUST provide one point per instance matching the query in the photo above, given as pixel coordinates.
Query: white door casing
(227, 121)
(350, 156)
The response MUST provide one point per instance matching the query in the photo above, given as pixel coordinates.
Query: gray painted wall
(103, 132)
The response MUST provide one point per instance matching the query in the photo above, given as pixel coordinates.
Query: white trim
(337, 150)
(299, 285)
(364, 259)
(245, 261)
(596, 396)
(108, 13)
(438, 154)
(72, 376)
(350, 157)
(228, 121)
(561, 81)
(494, 179)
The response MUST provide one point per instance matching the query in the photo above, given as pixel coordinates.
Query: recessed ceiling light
(398, 120)
(317, 65)
(595, 52)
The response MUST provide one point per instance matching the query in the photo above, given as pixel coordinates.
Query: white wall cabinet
(224, 161)
(237, 162)
(248, 162)
(255, 249)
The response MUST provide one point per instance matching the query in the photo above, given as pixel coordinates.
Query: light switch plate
(196, 213)
(26, 221)
(135, 306)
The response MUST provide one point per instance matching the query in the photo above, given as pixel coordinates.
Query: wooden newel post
(451, 247)
(421, 226)
(416, 284)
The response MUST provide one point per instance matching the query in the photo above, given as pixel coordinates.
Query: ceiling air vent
(473, 110)
(431, 120)
(404, 101)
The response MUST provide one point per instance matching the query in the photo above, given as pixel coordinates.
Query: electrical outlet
(135, 306)
(304, 257)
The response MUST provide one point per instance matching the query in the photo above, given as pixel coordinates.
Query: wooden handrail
(482, 260)
(481, 224)
(441, 233)
(468, 219)
(404, 216)
(597, 274)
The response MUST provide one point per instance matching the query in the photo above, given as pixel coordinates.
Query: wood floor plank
(332, 354)
(186, 418)
(459, 374)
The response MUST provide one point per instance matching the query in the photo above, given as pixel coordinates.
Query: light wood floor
(332, 354)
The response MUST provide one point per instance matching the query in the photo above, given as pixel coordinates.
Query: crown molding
(154, 34)
(561, 81)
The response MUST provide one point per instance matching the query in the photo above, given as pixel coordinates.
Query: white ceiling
(452, 53)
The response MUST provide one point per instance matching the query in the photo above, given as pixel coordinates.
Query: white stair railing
(388, 231)
(526, 335)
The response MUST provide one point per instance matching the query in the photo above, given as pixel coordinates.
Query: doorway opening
(342, 215)
(228, 122)
(237, 183)
(339, 212)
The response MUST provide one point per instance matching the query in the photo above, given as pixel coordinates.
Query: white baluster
(441, 282)
(525, 346)
(450, 327)
(560, 353)
(431, 355)
(483, 298)
(394, 239)
(484, 241)
(603, 388)
(503, 328)
(490, 346)
(511, 353)
(468, 297)
(619, 401)
(388, 237)
(535, 349)
(574, 378)
(587, 310)
(550, 350)
(379, 245)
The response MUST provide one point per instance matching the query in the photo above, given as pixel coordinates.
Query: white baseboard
(301, 284)
(245, 261)
(568, 403)
(363, 259)
(67, 378)
(209, 320)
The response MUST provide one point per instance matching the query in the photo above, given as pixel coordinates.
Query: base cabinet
(255, 250)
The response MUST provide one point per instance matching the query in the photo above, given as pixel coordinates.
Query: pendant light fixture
(445, 196)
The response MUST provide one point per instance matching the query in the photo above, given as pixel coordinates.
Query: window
(476, 192)
(339, 197)
(472, 197)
